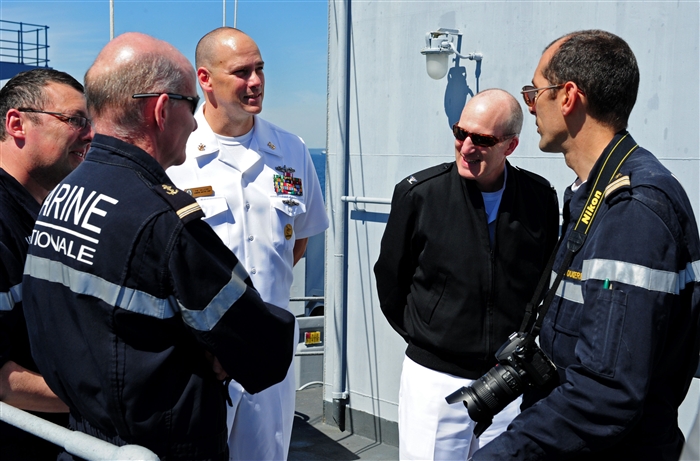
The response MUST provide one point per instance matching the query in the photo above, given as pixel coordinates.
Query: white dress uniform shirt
(244, 209)
(260, 193)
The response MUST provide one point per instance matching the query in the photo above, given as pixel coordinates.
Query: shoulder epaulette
(184, 205)
(424, 175)
(618, 183)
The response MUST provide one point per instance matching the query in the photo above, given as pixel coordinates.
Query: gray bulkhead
(398, 122)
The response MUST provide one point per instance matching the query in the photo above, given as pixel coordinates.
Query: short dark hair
(604, 68)
(26, 89)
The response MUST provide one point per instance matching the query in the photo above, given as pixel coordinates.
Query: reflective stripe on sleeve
(8, 299)
(6, 302)
(139, 301)
(691, 274)
(568, 289)
(207, 319)
(640, 276)
(87, 284)
(240, 272)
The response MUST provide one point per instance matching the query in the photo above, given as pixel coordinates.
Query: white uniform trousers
(432, 429)
(260, 425)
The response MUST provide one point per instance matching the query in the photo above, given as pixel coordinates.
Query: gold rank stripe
(621, 181)
(188, 210)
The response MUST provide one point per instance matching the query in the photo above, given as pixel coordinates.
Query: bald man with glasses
(155, 314)
(462, 252)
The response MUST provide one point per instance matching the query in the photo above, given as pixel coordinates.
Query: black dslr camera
(521, 363)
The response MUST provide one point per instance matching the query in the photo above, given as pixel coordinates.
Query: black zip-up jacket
(453, 298)
(125, 290)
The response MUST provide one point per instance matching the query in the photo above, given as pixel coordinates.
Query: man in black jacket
(461, 256)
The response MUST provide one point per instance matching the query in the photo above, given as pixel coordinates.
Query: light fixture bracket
(439, 45)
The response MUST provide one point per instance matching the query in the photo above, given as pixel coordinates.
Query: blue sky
(292, 36)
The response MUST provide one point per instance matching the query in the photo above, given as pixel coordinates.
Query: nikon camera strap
(608, 170)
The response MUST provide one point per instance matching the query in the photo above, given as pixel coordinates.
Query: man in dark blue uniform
(624, 328)
(44, 135)
(136, 310)
(464, 246)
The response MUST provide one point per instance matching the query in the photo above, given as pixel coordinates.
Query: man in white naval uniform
(258, 188)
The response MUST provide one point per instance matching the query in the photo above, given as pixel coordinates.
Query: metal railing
(24, 43)
(76, 443)
(375, 200)
(306, 298)
(86, 446)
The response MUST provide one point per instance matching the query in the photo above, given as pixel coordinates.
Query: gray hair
(110, 93)
(514, 123)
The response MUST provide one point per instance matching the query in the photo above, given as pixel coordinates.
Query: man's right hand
(216, 366)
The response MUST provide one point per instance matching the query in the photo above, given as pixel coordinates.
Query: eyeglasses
(76, 121)
(193, 100)
(530, 93)
(481, 140)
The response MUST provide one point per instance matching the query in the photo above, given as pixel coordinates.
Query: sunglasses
(193, 100)
(481, 140)
(530, 93)
(76, 121)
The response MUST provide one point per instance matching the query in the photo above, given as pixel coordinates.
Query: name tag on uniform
(204, 191)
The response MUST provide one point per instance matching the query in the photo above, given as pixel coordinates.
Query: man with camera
(455, 284)
(623, 327)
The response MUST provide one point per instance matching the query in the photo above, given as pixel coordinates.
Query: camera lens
(492, 392)
(521, 363)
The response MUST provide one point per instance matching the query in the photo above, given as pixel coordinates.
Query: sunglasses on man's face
(530, 93)
(192, 100)
(480, 140)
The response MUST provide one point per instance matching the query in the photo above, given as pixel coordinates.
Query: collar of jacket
(575, 200)
(17, 192)
(117, 152)
(203, 140)
(472, 187)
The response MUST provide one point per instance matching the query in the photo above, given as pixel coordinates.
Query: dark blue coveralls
(18, 211)
(623, 330)
(126, 291)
